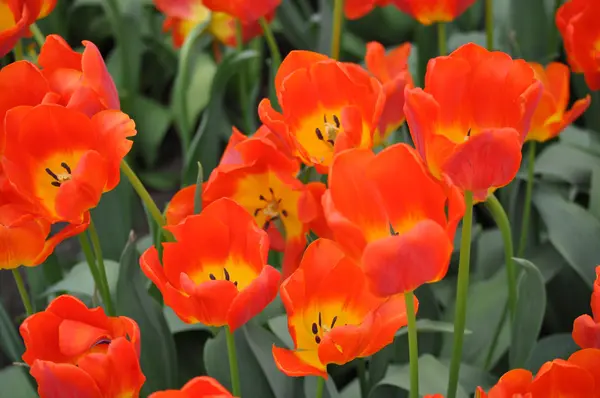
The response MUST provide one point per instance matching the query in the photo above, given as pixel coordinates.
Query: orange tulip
(61, 161)
(586, 329)
(389, 213)
(72, 348)
(198, 387)
(579, 376)
(254, 173)
(332, 315)
(355, 9)
(577, 21)
(328, 106)
(15, 18)
(244, 10)
(551, 115)
(433, 396)
(473, 116)
(81, 81)
(431, 11)
(392, 72)
(183, 16)
(216, 272)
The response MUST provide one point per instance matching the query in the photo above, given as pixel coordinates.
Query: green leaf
(163, 180)
(567, 163)
(429, 326)
(529, 316)
(258, 375)
(573, 232)
(548, 348)
(594, 205)
(486, 301)
(152, 123)
(10, 342)
(79, 279)
(587, 140)
(279, 326)
(206, 145)
(296, 29)
(113, 219)
(158, 358)
(325, 27)
(531, 26)
(15, 383)
(433, 378)
(310, 388)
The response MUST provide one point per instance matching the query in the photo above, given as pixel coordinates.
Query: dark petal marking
(256, 212)
(317, 339)
(262, 198)
(332, 142)
(55, 184)
(212, 277)
(315, 329)
(284, 213)
(336, 121)
(267, 224)
(235, 283)
(325, 118)
(226, 274)
(271, 190)
(319, 134)
(66, 167)
(320, 325)
(333, 321)
(52, 174)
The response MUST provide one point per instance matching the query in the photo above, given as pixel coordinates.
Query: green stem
(442, 38)
(38, 36)
(143, 194)
(22, 291)
(527, 204)
(555, 34)
(320, 387)
(362, 377)
(239, 38)
(119, 26)
(413, 350)
(88, 252)
(233, 364)
(275, 54)
(489, 24)
(462, 289)
(495, 207)
(18, 51)
(336, 37)
(104, 288)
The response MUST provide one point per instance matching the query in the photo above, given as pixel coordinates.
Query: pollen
(59, 178)
(331, 130)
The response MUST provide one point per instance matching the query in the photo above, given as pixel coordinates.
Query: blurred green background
(564, 232)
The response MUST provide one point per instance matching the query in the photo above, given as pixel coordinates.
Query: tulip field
(300, 198)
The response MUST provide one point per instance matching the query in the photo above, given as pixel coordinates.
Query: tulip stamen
(331, 129)
(59, 178)
(272, 208)
(226, 274)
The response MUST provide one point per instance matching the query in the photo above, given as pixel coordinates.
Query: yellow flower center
(320, 327)
(272, 208)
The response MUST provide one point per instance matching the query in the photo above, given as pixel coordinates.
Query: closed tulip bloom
(389, 214)
(577, 21)
(355, 9)
(198, 387)
(62, 161)
(72, 348)
(332, 315)
(551, 115)
(183, 16)
(81, 81)
(244, 10)
(392, 72)
(327, 106)
(470, 121)
(15, 18)
(586, 329)
(431, 11)
(216, 271)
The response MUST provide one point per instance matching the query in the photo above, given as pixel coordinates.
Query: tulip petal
(401, 263)
(295, 363)
(54, 379)
(586, 332)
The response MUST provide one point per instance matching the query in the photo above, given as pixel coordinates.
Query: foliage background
(564, 233)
